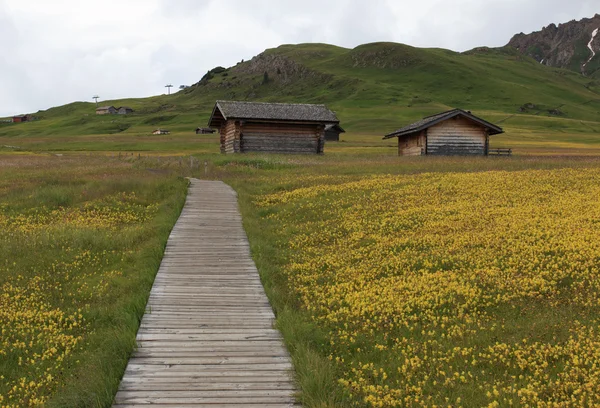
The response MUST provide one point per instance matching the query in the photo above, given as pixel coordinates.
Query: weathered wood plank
(272, 384)
(219, 405)
(207, 338)
(191, 353)
(209, 382)
(209, 343)
(280, 395)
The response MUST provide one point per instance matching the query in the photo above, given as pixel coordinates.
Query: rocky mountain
(574, 45)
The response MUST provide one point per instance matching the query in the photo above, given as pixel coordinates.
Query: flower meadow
(472, 289)
(74, 274)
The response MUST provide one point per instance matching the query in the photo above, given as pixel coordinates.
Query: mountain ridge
(374, 88)
(572, 45)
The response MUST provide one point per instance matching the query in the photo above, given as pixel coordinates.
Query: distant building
(124, 110)
(332, 132)
(204, 131)
(456, 132)
(106, 110)
(271, 127)
(161, 132)
(20, 118)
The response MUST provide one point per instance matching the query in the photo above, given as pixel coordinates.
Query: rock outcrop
(572, 45)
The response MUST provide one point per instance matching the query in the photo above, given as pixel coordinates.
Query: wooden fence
(500, 152)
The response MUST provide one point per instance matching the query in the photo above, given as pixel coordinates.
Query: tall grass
(309, 339)
(82, 238)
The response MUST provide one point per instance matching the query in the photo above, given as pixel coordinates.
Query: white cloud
(66, 50)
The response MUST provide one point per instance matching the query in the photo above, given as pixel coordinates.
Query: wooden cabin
(124, 110)
(20, 119)
(271, 127)
(332, 132)
(204, 131)
(456, 132)
(161, 132)
(106, 110)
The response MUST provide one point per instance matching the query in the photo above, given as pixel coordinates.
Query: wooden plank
(156, 370)
(243, 400)
(201, 344)
(208, 382)
(191, 353)
(249, 394)
(272, 384)
(219, 405)
(207, 338)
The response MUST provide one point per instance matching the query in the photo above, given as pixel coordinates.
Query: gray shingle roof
(295, 112)
(336, 127)
(429, 121)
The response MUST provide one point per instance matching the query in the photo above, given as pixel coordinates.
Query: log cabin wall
(412, 145)
(281, 138)
(320, 133)
(456, 136)
(228, 132)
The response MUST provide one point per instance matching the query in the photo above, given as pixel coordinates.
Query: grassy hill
(374, 88)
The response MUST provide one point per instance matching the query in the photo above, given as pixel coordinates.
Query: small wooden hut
(332, 132)
(106, 110)
(204, 131)
(20, 118)
(271, 127)
(124, 110)
(456, 132)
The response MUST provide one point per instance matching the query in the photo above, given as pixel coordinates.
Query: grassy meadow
(438, 287)
(396, 281)
(431, 281)
(80, 241)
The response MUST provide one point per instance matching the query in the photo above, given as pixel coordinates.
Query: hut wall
(412, 145)
(332, 136)
(456, 136)
(282, 138)
(228, 131)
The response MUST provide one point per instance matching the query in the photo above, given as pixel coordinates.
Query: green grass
(82, 237)
(44, 183)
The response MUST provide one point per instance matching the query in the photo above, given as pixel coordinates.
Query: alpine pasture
(395, 281)
(81, 239)
(428, 281)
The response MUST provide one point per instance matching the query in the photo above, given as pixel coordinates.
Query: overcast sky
(60, 51)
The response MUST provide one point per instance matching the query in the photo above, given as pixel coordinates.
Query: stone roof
(293, 112)
(429, 121)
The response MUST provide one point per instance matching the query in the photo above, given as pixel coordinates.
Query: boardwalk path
(207, 337)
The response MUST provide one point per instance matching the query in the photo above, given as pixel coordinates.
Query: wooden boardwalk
(207, 338)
